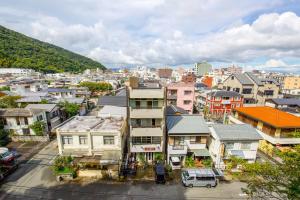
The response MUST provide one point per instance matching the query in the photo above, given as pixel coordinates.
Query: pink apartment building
(181, 95)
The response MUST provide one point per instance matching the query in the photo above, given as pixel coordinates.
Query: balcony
(177, 150)
(146, 131)
(225, 102)
(147, 112)
(192, 146)
(146, 148)
(275, 140)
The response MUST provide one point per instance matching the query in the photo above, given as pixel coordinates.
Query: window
(229, 145)
(268, 92)
(186, 102)
(18, 120)
(225, 98)
(246, 145)
(145, 140)
(67, 139)
(26, 131)
(217, 98)
(26, 120)
(247, 90)
(190, 178)
(40, 117)
(236, 98)
(232, 77)
(187, 92)
(82, 139)
(108, 140)
(193, 139)
(237, 90)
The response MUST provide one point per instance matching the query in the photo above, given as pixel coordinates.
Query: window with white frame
(82, 139)
(108, 140)
(67, 139)
(246, 145)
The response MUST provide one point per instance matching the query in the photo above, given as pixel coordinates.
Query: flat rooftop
(92, 123)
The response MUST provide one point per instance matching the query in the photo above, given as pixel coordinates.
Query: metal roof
(120, 101)
(186, 124)
(235, 132)
(282, 101)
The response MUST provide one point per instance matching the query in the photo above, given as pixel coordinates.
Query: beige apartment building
(291, 82)
(254, 89)
(146, 119)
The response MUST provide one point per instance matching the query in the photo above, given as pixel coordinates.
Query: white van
(198, 177)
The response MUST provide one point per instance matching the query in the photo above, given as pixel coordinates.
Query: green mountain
(20, 51)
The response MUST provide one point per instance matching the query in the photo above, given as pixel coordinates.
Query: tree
(270, 181)
(9, 101)
(96, 87)
(189, 161)
(5, 88)
(38, 127)
(71, 109)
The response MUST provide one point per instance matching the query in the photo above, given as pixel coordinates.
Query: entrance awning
(201, 152)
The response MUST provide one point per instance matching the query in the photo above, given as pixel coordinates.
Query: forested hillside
(18, 50)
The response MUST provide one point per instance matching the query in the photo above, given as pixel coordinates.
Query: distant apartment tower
(146, 119)
(202, 68)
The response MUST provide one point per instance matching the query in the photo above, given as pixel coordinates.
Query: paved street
(34, 180)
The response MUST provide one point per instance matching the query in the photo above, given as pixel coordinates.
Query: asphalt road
(34, 180)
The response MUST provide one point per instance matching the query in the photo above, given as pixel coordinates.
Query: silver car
(198, 177)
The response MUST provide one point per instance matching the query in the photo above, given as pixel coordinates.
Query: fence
(30, 138)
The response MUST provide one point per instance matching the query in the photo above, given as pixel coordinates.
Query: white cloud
(275, 63)
(162, 31)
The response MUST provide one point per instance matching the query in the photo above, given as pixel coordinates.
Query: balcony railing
(178, 147)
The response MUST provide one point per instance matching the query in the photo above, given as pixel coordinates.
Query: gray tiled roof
(236, 132)
(224, 93)
(112, 101)
(59, 90)
(244, 80)
(282, 101)
(172, 110)
(20, 112)
(186, 124)
(254, 78)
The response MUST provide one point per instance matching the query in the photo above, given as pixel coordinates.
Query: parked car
(160, 173)
(6, 156)
(6, 170)
(198, 177)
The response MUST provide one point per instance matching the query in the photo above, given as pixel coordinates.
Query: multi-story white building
(146, 118)
(100, 138)
(239, 140)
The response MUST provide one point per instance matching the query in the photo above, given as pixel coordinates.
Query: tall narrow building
(146, 119)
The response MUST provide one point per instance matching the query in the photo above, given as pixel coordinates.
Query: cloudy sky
(251, 33)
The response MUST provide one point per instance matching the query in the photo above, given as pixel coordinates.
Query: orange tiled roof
(271, 116)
